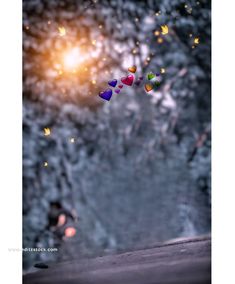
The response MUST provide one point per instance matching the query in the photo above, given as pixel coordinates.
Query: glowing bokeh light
(70, 232)
(72, 59)
(61, 220)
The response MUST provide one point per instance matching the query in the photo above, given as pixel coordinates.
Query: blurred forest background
(125, 173)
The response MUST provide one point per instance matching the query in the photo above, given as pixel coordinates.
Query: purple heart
(112, 83)
(141, 78)
(157, 74)
(117, 91)
(137, 83)
(106, 95)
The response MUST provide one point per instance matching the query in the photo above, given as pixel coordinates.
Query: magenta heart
(120, 86)
(117, 91)
(128, 80)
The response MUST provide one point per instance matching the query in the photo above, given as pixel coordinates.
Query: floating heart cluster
(128, 81)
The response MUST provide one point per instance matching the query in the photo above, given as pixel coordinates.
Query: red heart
(120, 86)
(128, 80)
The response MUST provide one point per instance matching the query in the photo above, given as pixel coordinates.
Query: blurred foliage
(139, 169)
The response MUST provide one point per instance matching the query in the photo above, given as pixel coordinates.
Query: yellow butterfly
(165, 29)
(62, 31)
(47, 131)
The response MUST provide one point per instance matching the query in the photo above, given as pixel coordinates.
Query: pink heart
(128, 80)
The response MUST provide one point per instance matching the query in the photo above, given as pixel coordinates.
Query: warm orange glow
(72, 59)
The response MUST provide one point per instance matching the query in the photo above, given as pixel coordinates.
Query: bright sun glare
(72, 58)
